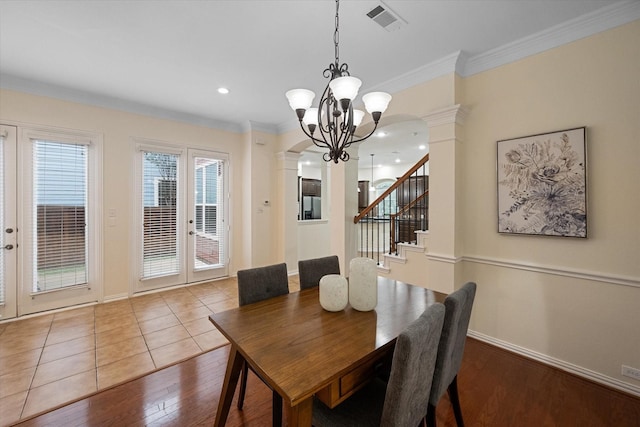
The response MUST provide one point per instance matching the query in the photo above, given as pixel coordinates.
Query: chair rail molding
(557, 271)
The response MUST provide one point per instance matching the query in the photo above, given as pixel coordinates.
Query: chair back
(454, 334)
(414, 360)
(260, 283)
(310, 271)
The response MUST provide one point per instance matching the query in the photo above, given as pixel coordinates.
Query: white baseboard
(115, 297)
(560, 364)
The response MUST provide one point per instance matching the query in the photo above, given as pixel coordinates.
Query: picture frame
(542, 184)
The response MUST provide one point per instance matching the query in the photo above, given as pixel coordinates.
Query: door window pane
(208, 185)
(60, 201)
(160, 247)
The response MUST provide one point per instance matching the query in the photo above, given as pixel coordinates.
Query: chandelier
(335, 118)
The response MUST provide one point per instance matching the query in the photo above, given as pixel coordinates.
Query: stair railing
(396, 213)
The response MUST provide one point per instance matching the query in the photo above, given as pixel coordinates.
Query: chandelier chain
(336, 34)
(336, 119)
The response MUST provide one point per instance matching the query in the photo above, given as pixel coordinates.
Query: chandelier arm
(318, 142)
(365, 137)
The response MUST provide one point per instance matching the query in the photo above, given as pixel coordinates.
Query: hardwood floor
(497, 388)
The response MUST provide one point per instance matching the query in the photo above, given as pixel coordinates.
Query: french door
(8, 223)
(182, 216)
(50, 227)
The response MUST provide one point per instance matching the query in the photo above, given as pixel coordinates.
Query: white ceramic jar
(334, 292)
(363, 284)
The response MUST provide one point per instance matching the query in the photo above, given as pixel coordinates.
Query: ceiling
(168, 58)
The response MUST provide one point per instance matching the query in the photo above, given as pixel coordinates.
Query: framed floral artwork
(542, 184)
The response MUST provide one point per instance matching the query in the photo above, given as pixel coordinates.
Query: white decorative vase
(334, 292)
(363, 284)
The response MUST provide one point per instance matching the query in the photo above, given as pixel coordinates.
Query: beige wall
(575, 301)
(118, 128)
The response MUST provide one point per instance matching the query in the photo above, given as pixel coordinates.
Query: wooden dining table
(301, 350)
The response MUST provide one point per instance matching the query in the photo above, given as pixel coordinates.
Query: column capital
(287, 160)
(454, 114)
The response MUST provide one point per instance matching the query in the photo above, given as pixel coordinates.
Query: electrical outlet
(630, 372)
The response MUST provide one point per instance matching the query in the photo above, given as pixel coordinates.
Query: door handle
(191, 233)
(8, 247)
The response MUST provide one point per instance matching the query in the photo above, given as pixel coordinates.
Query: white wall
(313, 240)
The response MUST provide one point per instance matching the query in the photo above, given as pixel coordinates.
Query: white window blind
(209, 212)
(59, 212)
(160, 254)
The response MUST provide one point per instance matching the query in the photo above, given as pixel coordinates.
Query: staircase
(395, 225)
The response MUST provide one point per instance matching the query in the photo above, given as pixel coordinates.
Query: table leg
(234, 366)
(300, 415)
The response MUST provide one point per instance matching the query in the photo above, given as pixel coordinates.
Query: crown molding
(600, 20)
(441, 67)
(252, 126)
(608, 17)
(20, 84)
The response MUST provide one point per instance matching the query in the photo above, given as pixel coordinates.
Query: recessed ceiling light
(223, 90)
(381, 134)
(307, 163)
(397, 160)
(422, 146)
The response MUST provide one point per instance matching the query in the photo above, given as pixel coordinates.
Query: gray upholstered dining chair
(254, 285)
(310, 271)
(458, 306)
(402, 400)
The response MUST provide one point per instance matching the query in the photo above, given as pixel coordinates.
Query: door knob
(9, 246)
(9, 230)
(191, 233)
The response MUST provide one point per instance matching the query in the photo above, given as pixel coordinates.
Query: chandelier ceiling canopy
(335, 118)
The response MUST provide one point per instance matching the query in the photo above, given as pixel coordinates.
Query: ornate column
(445, 213)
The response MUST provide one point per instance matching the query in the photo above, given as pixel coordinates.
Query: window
(160, 255)
(60, 202)
(206, 193)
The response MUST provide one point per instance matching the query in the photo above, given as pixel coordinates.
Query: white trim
(26, 85)
(410, 247)
(558, 363)
(94, 263)
(576, 274)
(445, 116)
(443, 258)
(395, 258)
(66, 137)
(115, 297)
(438, 68)
(584, 26)
(49, 312)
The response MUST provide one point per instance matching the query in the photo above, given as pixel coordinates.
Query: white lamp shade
(310, 117)
(358, 115)
(376, 101)
(345, 87)
(300, 98)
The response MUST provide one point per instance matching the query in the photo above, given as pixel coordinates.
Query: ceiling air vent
(386, 18)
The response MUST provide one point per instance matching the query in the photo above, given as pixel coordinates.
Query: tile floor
(55, 358)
